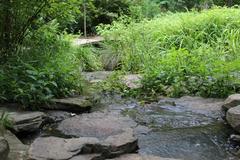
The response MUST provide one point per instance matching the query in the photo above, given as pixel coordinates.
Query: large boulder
(4, 149)
(18, 151)
(231, 101)
(24, 121)
(74, 104)
(233, 117)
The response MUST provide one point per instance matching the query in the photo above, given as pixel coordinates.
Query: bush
(194, 53)
(88, 58)
(45, 68)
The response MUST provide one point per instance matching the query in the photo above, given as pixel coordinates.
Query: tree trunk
(229, 3)
(6, 29)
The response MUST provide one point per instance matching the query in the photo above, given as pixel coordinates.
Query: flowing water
(188, 128)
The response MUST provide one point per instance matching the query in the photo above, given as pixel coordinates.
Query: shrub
(45, 68)
(88, 58)
(183, 53)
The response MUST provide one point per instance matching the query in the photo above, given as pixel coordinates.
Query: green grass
(193, 53)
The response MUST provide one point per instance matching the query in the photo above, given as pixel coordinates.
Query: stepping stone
(97, 124)
(18, 151)
(59, 148)
(106, 134)
(77, 104)
(24, 121)
(77, 148)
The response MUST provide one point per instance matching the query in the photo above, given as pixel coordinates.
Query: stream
(189, 128)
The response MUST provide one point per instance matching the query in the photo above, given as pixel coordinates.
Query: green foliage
(4, 120)
(45, 68)
(114, 83)
(194, 53)
(140, 9)
(97, 12)
(183, 5)
(17, 20)
(88, 58)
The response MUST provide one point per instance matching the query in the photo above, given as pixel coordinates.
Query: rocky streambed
(187, 128)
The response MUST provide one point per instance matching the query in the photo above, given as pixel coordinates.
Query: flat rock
(24, 121)
(97, 124)
(76, 104)
(98, 76)
(132, 81)
(74, 149)
(4, 148)
(58, 148)
(231, 101)
(233, 117)
(18, 151)
(112, 135)
(200, 103)
(141, 157)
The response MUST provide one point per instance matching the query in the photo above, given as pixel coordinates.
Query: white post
(85, 18)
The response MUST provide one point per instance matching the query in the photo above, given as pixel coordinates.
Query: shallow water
(187, 128)
(188, 133)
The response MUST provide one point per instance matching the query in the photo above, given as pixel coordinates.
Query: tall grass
(196, 53)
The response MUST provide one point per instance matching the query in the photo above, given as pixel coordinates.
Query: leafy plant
(193, 53)
(4, 120)
(45, 68)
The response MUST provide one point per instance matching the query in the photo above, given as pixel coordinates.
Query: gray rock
(233, 117)
(200, 103)
(58, 116)
(106, 134)
(234, 137)
(58, 148)
(231, 101)
(4, 148)
(77, 148)
(18, 151)
(24, 121)
(132, 81)
(97, 124)
(98, 76)
(141, 157)
(76, 104)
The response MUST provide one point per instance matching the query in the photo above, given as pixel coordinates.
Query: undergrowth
(193, 53)
(46, 66)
